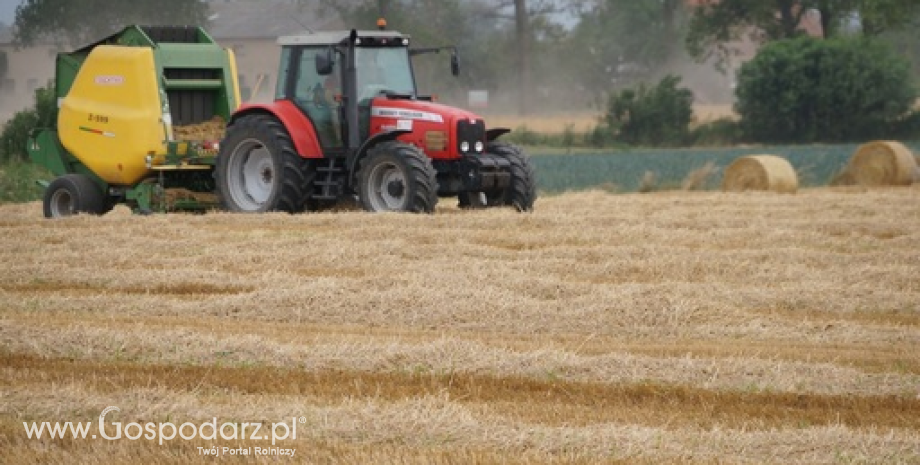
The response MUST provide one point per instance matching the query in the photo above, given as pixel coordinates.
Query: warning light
(381, 24)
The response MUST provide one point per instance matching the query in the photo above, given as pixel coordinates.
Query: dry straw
(761, 173)
(204, 131)
(883, 163)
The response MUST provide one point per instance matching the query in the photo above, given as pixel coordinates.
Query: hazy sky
(8, 10)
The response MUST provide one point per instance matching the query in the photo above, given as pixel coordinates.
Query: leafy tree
(620, 41)
(807, 90)
(494, 50)
(430, 23)
(78, 22)
(716, 24)
(880, 16)
(651, 116)
(15, 134)
(905, 41)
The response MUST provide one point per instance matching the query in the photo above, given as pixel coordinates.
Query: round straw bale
(883, 163)
(760, 173)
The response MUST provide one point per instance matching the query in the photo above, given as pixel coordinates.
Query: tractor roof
(335, 37)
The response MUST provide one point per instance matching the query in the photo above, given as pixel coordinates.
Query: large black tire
(522, 190)
(395, 176)
(72, 194)
(258, 169)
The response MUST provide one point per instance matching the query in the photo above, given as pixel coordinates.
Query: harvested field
(670, 327)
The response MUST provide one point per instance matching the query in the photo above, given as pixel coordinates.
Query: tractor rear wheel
(74, 193)
(258, 169)
(521, 192)
(397, 177)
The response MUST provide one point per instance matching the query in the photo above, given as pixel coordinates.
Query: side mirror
(454, 64)
(325, 61)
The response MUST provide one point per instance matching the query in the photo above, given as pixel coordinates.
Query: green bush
(522, 135)
(722, 132)
(599, 137)
(17, 181)
(16, 131)
(808, 90)
(651, 116)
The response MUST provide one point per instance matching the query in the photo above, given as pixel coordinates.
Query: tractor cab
(315, 79)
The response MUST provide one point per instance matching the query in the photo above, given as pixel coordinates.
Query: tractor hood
(442, 131)
(419, 110)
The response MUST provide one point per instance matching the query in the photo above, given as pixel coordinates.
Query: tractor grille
(468, 133)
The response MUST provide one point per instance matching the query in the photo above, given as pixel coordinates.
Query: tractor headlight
(479, 146)
(464, 146)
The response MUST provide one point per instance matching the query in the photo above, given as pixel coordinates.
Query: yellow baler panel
(234, 82)
(112, 118)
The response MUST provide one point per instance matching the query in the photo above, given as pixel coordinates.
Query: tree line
(535, 55)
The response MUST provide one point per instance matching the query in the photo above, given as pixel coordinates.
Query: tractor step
(328, 184)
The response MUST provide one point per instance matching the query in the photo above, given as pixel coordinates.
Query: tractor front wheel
(258, 169)
(397, 177)
(71, 194)
(521, 192)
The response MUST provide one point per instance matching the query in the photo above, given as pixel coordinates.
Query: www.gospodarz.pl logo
(168, 431)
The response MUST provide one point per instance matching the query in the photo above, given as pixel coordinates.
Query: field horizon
(668, 327)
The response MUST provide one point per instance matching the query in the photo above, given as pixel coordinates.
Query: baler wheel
(71, 194)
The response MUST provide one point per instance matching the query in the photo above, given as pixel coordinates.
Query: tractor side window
(318, 97)
(308, 81)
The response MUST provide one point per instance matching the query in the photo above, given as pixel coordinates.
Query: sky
(8, 10)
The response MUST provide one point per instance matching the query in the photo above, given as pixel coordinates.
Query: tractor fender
(495, 133)
(298, 126)
(369, 144)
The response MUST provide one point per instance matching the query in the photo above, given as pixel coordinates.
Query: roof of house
(236, 19)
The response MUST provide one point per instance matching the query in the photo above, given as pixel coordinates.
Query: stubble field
(670, 327)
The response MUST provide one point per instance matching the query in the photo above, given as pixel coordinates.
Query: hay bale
(760, 173)
(883, 163)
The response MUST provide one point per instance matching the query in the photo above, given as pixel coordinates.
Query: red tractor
(347, 121)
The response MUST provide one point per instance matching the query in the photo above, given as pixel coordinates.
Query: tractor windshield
(384, 69)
